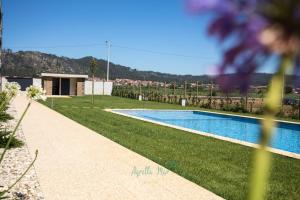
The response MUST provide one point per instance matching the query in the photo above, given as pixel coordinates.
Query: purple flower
(254, 32)
(212, 5)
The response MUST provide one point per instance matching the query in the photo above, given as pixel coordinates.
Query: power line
(113, 46)
(58, 46)
(163, 53)
(154, 52)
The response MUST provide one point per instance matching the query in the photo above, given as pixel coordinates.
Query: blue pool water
(287, 135)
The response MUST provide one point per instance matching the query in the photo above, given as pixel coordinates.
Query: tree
(93, 66)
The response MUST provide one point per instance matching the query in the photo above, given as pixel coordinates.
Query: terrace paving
(75, 162)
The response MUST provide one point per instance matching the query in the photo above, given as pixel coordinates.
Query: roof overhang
(64, 75)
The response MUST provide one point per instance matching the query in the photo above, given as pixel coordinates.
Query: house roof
(64, 75)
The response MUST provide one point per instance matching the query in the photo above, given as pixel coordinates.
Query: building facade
(62, 84)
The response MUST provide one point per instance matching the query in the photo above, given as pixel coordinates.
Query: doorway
(60, 86)
(55, 86)
(65, 86)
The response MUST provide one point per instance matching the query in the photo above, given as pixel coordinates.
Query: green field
(221, 167)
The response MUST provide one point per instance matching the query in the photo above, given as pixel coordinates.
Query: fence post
(299, 106)
(165, 89)
(227, 100)
(174, 92)
(211, 93)
(185, 89)
(140, 88)
(247, 94)
(148, 91)
(197, 89)
(211, 89)
(103, 88)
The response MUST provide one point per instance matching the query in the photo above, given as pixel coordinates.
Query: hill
(33, 63)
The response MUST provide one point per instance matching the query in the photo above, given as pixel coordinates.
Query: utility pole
(108, 45)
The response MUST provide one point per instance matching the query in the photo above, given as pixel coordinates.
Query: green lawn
(221, 167)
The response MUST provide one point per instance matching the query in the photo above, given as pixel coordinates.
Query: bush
(259, 111)
(4, 117)
(237, 107)
(288, 90)
(4, 137)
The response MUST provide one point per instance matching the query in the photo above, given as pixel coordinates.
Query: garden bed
(15, 162)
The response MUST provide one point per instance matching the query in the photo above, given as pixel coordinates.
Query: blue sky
(155, 25)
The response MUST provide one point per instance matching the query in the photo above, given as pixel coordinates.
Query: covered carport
(23, 82)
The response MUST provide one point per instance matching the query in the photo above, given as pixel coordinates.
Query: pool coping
(212, 112)
(273, 150)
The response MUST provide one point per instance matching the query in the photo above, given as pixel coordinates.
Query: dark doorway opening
(55, 86)
(65, 86)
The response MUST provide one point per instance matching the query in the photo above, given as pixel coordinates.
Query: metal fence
(208, 98)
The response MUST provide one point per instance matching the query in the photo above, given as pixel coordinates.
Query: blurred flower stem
(262, 157)
(2, 193)
(14, 132)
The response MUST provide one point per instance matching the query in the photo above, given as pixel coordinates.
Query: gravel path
(14, 164)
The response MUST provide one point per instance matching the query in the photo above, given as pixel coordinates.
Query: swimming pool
(286, 137)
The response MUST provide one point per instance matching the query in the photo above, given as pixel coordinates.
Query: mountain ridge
(33, 63)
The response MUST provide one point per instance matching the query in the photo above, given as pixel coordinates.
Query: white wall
(2, 83)
(37, 82)
(100, 88)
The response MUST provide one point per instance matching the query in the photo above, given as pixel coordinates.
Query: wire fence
(208, 97)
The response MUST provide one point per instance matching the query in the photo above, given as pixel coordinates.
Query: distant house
(62, 84)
